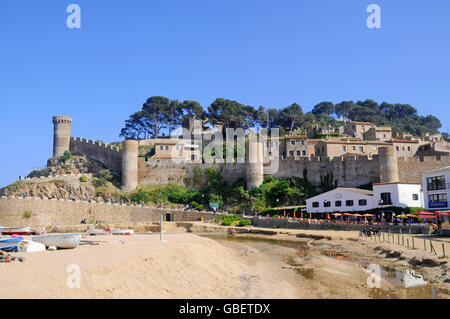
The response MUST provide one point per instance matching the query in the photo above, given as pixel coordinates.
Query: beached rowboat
(10, 244)
(64, 241)
(127, 232)
(97, 231)
(15, 230)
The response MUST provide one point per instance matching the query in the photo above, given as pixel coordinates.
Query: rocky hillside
(95, 182)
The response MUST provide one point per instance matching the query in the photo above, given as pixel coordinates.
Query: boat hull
(10, 244)
(15, 230)
(63, 241)
(123, 232)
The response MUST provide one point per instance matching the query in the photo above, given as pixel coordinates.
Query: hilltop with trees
(161, 115)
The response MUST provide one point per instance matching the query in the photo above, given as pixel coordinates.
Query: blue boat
(10, 244)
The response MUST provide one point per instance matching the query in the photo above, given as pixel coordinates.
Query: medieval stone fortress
(362, 154)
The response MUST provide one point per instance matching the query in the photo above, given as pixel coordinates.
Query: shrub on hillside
(66, 156)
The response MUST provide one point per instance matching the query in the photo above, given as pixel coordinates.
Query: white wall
(401, 194)
(343, 196)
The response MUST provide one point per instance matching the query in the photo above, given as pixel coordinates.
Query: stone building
(378, 133)
(357, 129)
(342, 146)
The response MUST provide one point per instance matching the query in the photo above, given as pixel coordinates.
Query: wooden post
(407, 242)
(443, 249)
(432, 248)
(413, 242)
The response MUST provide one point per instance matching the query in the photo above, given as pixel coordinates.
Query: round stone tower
(130, 165)
(61, 135)
(387, 161)
(254, 165)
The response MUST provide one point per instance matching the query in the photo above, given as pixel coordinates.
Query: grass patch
(27, 214)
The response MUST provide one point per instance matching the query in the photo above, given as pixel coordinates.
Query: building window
(409, 148)
(291, 153)
(315, 204)
(436, 183)
(374, 147)
(326, 204)
(386, 199)
(338, 203)
(349, 203)
(292, 142)
(298, 153)
(344, 148)
(270, 153)
(437, 200)
(397, 148)
(323, 149)
(161, 147)
(361, 149)
(354, 148)
(304, 153)
(362, 202)
(303, 142)
(415, 196)
(167, 147)
(403, 148)
(384, 136)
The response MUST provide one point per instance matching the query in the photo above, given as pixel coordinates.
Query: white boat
(126, 232)
(97, 231)
(15, 230)
(64, 241)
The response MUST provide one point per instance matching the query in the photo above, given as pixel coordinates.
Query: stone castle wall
(108, 155)
(411, 169)
(45, 212)
(156, 171)
(351, 171)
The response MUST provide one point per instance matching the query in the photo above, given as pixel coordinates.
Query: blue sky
(270, 53)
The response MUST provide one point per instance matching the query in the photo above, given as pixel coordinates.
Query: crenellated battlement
(96, 143)
(108, 155)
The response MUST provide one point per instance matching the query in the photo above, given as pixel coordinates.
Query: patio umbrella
(412, 216)
(402, 216)
(368, 215)
(357, 215)
(347, 214)
(337, 214)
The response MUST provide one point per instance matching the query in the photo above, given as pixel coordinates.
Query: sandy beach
(191, 266)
